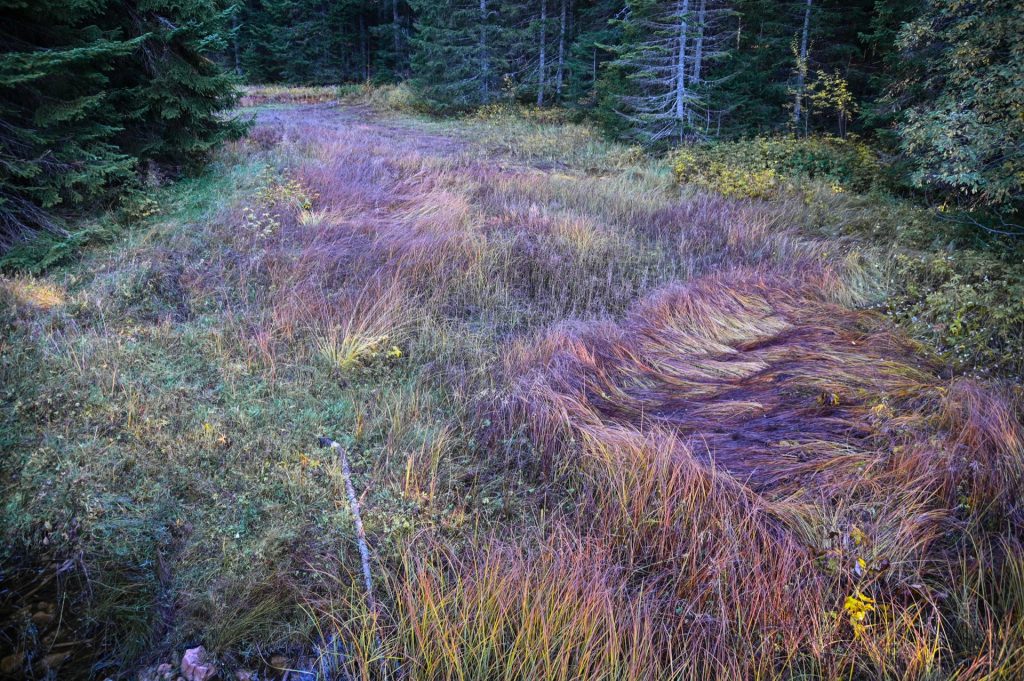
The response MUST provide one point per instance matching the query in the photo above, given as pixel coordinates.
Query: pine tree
(391, 33)
(593, 33)
(88, 88)
(57, 122)
(170, 91)
(666, 50)
(320, 42)
(459, 56)
(885, 65)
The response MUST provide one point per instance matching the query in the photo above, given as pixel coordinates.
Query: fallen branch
(353, 505)
(364, 548)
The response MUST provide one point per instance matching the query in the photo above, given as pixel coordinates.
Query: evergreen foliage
(459, 52)
(762, 67)
(58, 127)
(91, 88)
(668, 50)
(322, 42)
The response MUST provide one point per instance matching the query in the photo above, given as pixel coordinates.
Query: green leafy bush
(967, 303)
(763, 166)
(964, 128)
(953, 286)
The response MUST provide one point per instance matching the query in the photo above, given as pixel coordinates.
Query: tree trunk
(801, 67)
(698, 49)
(364, 49)
(396, 24)
(681, 104)
(485, 65)
(236, 25)
(561, 53)
(542, 69)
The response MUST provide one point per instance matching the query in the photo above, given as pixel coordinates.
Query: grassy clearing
(262, 95)
(600, 429)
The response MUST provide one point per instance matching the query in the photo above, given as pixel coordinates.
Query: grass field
(601, 426)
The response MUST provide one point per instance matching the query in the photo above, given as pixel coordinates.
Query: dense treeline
(657, 68)
(91, 91)
(939, 82)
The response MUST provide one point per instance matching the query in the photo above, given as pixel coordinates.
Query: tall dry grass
(743, 476)
(636, 434)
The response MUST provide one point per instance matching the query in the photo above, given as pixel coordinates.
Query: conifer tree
(666, 50)
(57, 120)
(593, 33)
(88, 88)
(169, 90)
(391, 57)
(459, 52)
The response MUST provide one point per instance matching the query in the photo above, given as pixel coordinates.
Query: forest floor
(601, 427)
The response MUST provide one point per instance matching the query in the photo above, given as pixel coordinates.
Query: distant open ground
(602, 427)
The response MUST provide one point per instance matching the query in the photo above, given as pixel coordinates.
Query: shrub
(384, 97)
(968, 303)
(762, 166)
(257, 95)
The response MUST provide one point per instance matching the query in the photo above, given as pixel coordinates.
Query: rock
(11, 664)
(195, 667)
(280, 662)
(54, 660)
(42, 619)
(245, 675)
(165, 671)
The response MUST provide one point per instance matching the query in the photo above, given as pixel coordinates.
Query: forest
(933, 87)
(498, 339)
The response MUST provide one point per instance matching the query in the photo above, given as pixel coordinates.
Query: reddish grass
(760, 453)
(732, 462)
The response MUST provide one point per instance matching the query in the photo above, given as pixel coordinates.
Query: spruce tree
(666, 51)
(88, 88)
(391, 35)
(169, 90)
(593, 32)
(458, 59)
(58, 121)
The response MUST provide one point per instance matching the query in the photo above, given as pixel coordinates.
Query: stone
(11, 664)
(42, 619)
(195, 666)
(54, 660)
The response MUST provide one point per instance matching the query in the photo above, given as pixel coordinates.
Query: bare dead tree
(801, 68)
(668, 69)
(559, 72)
